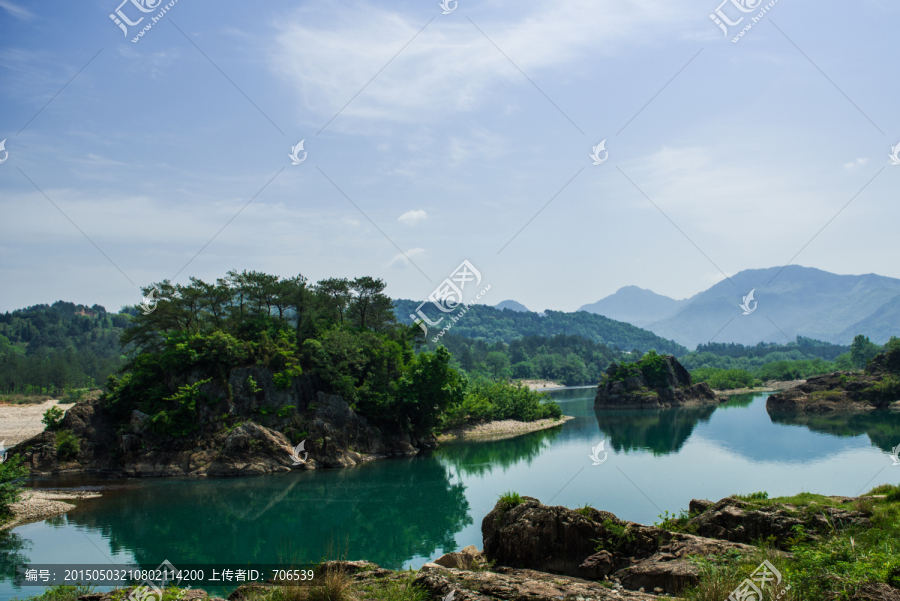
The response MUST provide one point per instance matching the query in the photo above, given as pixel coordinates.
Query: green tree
(11, 473)
(861, 350)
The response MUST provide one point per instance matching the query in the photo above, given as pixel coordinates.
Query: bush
(485, 400)
(724, 379)
(67, 444)
(652, 366)
(53, 418)
(11, 471)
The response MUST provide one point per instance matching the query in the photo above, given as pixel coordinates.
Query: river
(403, 512)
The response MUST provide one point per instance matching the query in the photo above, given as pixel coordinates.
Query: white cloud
(403, 259)
(855, 164)
(16, 10)
(413, 217)
(451, 66)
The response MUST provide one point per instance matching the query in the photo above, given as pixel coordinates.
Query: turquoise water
(404, 512)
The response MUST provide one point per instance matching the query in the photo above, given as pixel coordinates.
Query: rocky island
(877, 387)
(654, 382)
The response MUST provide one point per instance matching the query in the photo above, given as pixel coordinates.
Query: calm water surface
(404, 512)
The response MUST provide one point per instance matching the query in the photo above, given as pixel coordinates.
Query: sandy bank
(500, 429)
(21, 422)
(37, 505)
(771, 386)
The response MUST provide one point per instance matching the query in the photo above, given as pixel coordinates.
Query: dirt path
(21, 422)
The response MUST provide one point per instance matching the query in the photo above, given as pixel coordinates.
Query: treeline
(51, 348)
(809, 347)
(341, 331)
(571, 360)
(495, 325)
(747, 371)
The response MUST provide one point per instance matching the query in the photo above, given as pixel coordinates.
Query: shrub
(510, 499)
(53, 417)
(11, 471)
(67, 444)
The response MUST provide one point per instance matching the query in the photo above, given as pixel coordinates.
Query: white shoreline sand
(36, 505)
(500, 429)
(21, 422)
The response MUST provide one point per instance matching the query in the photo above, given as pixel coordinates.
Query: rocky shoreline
(537, 552)
(39, 504)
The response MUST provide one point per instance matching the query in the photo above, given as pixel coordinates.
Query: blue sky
(745, 149)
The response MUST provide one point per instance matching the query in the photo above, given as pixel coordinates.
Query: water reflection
(881, 426)
(660, 431)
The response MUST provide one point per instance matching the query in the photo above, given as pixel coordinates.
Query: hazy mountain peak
(511, 305)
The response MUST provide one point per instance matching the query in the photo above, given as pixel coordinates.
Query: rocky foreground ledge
(536, 552)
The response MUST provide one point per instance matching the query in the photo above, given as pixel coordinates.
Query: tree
(861, 350)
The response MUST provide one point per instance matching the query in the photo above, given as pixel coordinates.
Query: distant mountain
(493, 325)
(800, 300)
(511, 305)
(636, 306)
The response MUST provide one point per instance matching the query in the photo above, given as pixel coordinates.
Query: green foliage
(493, 325)
(11, 472)
(725, 379)
(652, 366)
(861, 350)
(888, 388)
(63, 592)
(251, 386)
(179, 418)
(753, 496)
(510, 499)
(585, 510)
(618, 536)
(284, 379)
(485, 400)
(67, 445)
(58, 347)
(285, 411)
(53, 418)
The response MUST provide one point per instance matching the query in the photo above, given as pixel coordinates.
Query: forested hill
(493, 325)
(47, 348)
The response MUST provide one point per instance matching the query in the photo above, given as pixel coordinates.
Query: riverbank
(541, 384)
(22, 421)
(771, 386)
(37, 505)
(500, 429)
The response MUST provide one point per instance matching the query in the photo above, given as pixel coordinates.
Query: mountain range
(786, 302)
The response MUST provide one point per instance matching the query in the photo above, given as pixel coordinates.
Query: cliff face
(674, 389)
(878, 387)
(251, 431)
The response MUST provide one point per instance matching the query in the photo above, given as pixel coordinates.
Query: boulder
(467, 559)
(739, 521)
(559, 540)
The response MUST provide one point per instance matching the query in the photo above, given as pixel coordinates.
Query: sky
(430, 138)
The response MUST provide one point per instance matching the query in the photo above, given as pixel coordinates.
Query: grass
(62, 592)
(585, 510)
(510, 499)
(24, 399)
(836, 566)
(395, 590)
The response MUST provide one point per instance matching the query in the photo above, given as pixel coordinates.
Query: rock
(560, 540)
(842, 391)
(634, 392)
(467, 559)
(596, 566)
(139, 421)
(698, 506)
(739, 521)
